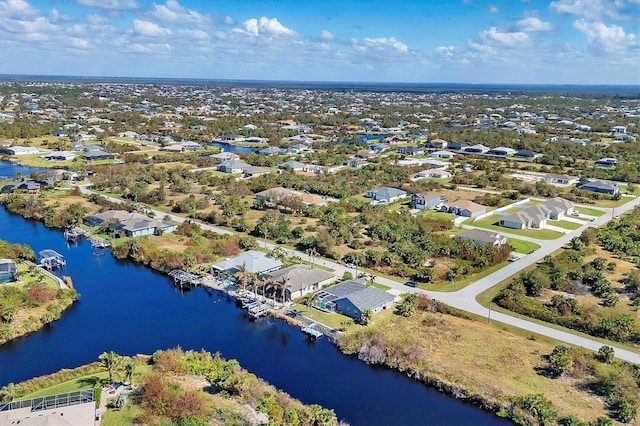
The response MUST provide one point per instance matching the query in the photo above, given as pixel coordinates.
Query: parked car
(411, 284)
(350, 265)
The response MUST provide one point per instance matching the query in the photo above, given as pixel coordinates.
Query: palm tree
(244, 276)
(129, 369)
(313, 253)
(110, 362)
(283, 282)
(9, 392)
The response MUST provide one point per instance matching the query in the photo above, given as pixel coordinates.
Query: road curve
(464, 299)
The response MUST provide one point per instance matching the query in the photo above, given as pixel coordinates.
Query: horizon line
(16, 76)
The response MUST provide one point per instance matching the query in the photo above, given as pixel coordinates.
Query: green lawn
(379, 286)
(85, 382)
(335, 321)
(524, 247)
(590, 212)
(457, 285)
(512, 210)
(531, 203)
(125, 416)
(565, 224)
(490, 223)
(437, 215)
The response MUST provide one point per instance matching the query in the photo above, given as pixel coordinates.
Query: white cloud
(79, 43)
(172, 11)
(383, 43)
(608, 38)
(593, 9)
(110, 4)
(194, 34)
(97, 20)
(509, 39)
(265, 27)
(228, 20)
(17, 9)
(326, 35)
(533, 24)
(149, 29)
(493, 8)
(56, 16)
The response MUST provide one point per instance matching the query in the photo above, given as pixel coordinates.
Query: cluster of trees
(615, 381)
(570, 276)
(622, 236)
(162, 398)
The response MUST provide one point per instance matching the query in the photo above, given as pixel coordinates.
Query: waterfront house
(426, 200)
(300, 279)
(272, 150)
(465, 208)
(386, 194)
(600, 187)
(19, 150)
(482, 237)
(536, 217)
(352, 298)
(232, 166)
(224, 156)
(254, 261)
(131, 224)
(7, 271)
(59, 156)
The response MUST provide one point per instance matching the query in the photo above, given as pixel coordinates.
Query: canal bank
(131, 309)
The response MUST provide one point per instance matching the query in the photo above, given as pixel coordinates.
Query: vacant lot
(491, 223)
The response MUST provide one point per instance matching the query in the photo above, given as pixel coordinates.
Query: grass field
(590, 212)
(335, 321)
(524, 247)
(490, 223)
(463, 282)
(565, 224)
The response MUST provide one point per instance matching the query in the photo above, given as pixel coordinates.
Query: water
(131, 309)
(9, 171)
(234, 148)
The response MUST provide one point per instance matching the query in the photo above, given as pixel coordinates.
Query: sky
(424, 41)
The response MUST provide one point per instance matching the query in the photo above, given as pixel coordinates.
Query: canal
(131, 309)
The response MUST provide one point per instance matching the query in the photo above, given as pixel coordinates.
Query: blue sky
(499, 41)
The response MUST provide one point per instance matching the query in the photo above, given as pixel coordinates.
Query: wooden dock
(50, 260)
(311, 331)
(74, 233)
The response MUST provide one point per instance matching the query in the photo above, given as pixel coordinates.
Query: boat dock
(50, 260)
(74, 233)
(183, 278)
(99, 243)
(311, 331)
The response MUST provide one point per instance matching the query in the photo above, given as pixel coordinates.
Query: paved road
(465, 299)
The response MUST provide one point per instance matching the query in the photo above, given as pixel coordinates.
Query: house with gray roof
(94, 155)
(293, 165)
(352, 298)
(300, 279)
(600, 187)
(232, 166)
(386, 194)
(272, 150)
(536, 217)
(482, 237)
(132, 224)
(255, 261)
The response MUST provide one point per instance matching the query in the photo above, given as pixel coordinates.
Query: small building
(7, 271)
(476, 149)
(426, 200)
(129, 134)
(600, 187)
(386, 194)
(277, 194)
(296, 166)
(606, 162)
(501, 151)
(411, 150)
(618, 129)
(525, 154)
(559, 179)
(19, 150)
(132, 224)
(465, 208)
(457, 146)
(224, 156)
(272, 150)
(535, 217)
(443, 154)
(190, 145)
(482, 237)
(434, 174)
(438, 144)
(352, 298)
(254, 261)
(59, 156)
(233, 166)
(300, 280)
(95, 155)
